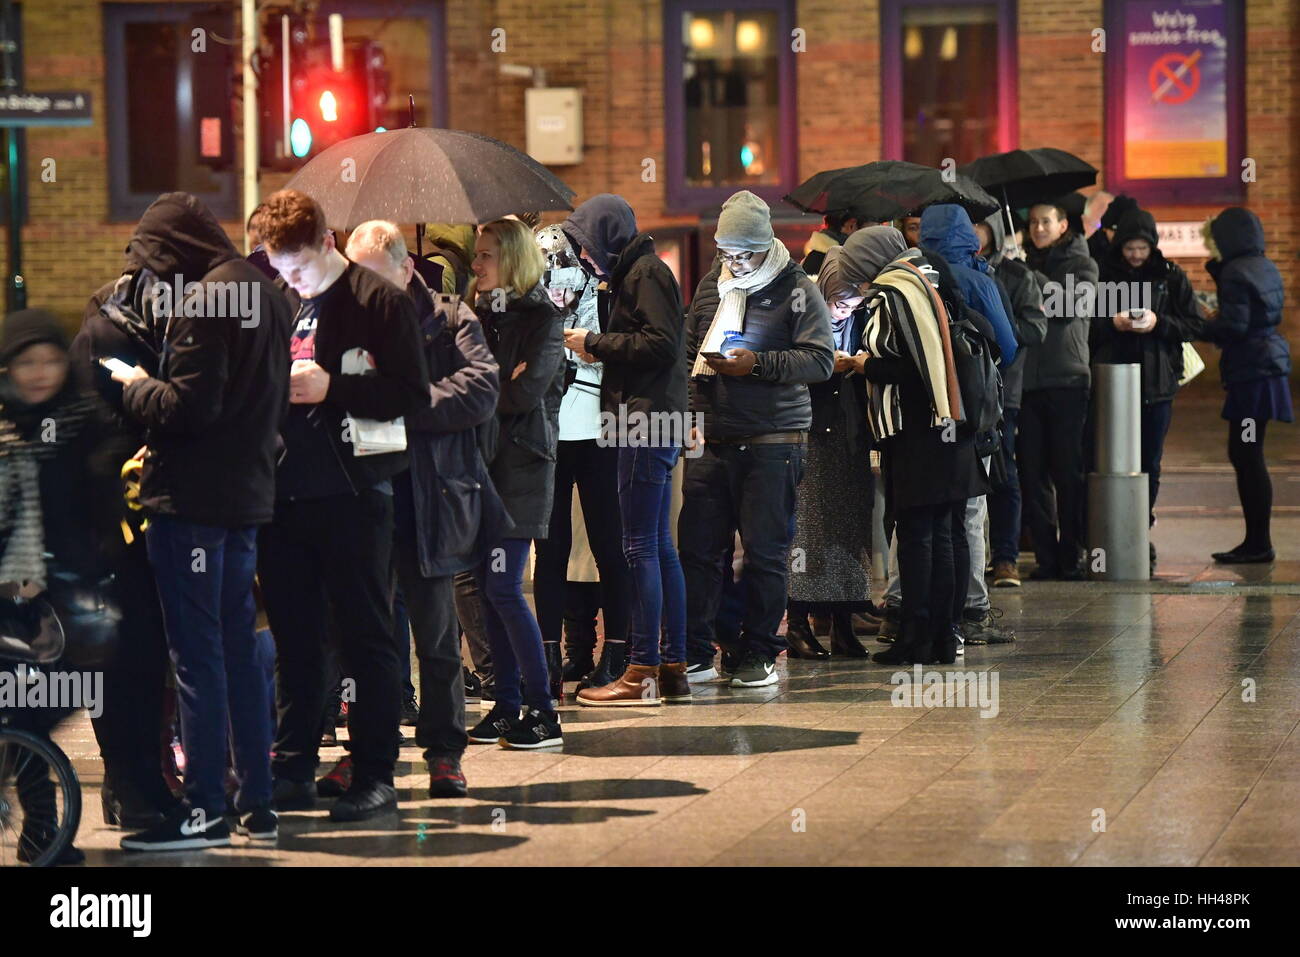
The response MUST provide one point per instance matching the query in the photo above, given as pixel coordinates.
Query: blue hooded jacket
(947, 230)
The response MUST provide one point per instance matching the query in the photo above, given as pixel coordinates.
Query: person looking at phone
(756, 412)
(1150, 334)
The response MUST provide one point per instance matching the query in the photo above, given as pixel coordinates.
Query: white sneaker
(698, 673)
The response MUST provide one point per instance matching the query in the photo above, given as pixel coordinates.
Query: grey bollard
(1118, 510)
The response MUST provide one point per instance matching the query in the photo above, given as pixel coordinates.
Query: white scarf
(733, 291)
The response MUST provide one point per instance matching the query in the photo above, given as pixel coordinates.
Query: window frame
(19, 133)
(682, 198)
(891, 72)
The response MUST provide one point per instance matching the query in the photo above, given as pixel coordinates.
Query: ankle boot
(554, 669)
(843, 642)
(613, 655)
(579, 649)
(799, 637)
(912, 647)
(674, 685)
(638, 688)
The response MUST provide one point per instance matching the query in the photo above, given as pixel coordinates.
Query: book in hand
(370, 436)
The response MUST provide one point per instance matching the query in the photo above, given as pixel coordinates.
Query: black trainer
(494, 726)
(410, 712)
(536, 729)
(446, 779)
(293, 795)
(363, 801)
(260, 824)
(183, 831)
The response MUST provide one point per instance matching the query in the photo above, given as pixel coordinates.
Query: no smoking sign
(1174, 78)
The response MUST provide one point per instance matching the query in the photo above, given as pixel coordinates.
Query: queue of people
(359, 430)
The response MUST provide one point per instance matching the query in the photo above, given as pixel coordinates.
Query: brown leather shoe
(1005, 574)
(638, 688)
(673, 684)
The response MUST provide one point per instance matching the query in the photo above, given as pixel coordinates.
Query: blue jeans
(512, 631)
(205, 585)
(1004, 502)
(645, 497)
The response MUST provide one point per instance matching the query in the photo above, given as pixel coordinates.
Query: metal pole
(15, 288)
(248, 14)
(1118, 507)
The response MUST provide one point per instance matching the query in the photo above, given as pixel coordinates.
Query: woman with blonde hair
(523, 331)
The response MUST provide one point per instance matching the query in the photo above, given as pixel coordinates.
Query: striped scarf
(22, 534)
(907, 320)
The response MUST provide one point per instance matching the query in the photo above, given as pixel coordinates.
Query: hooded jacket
(947, 229)
(1250, 301)
(1027, 316)
(1062, 360)
(212, 409)
(522, 445)
(1159, 352)
(643, 345)
(795, 349)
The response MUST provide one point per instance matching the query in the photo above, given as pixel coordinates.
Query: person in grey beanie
(759, 333)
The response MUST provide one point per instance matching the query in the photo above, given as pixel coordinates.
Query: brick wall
(613, 51)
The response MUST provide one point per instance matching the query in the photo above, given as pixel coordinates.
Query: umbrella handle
(410, 99)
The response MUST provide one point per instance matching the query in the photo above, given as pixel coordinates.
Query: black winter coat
(1160, 351)
(522, 447)
(457, 512)
(1062, 360)
(643, 344)
(1250, 301)
(213, 408)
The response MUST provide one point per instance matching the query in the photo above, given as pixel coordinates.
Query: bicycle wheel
(39, 815)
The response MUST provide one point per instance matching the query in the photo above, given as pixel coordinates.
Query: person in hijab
(928, 464)
(833, 513)
(760, 335)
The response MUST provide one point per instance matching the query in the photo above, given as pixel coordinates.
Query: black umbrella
(419, 175)
(1023, 177)
(889, 189)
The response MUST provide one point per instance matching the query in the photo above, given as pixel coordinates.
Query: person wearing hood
(583, 460)
(1102, 214)
(643, 349)
(946, 230)
(446, 513)
(524, 332)
(448, 250)
(1254, 364)
(1031, 327)
(211, 412)
(837, 226)
(930, 468)
(760, 333)
(1154, 341)
(1054, 400)
(326, 557)
(833, 512)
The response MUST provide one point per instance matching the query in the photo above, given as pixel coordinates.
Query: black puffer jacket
(1160, 351)
(521, 452)
(1062, 360)
(1250, 301)
(795, 347)
(213, 409)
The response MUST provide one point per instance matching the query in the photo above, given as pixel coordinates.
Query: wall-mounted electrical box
(554, 119)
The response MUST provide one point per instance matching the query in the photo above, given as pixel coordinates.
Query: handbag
(89, 617)
(370, 436)
(1193, 364)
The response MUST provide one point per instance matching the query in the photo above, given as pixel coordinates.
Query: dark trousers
(1254, 486)
(129, 729)
(469, 613)
(402, 633)
(205, 584)
(512, 630)
(1049, 445)
(750, 488)
(326, 560)
(933, 565)
(1004, 502)
(1155, 426)
(594, 469)
(645, 496)
(441, 727)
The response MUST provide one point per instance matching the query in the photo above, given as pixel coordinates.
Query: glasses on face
(735, 259)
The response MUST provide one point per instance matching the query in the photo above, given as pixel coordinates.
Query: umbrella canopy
(419, 175)
(888, 189)
(1023, 177)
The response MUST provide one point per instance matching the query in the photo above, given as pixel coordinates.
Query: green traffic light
(300, 138)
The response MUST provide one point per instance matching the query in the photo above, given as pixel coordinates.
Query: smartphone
(715, 355)
(116, 366)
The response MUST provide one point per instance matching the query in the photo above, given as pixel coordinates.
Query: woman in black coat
(1255, 366)
(524, 333)
(1154, 340)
